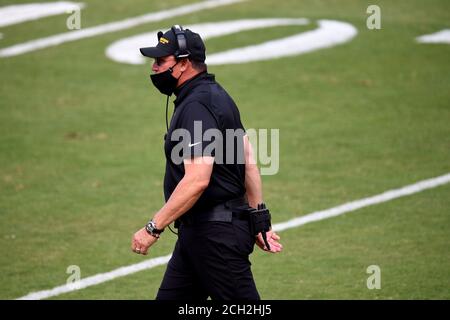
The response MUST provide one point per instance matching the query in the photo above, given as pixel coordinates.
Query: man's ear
(184, 64)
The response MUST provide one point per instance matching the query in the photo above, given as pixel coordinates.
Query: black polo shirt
(203, 109)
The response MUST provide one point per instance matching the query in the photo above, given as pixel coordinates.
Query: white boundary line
(58, 39)
(315, 216)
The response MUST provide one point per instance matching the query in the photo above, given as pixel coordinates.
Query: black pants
(211, 259)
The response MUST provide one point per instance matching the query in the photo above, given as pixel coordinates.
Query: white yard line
(110, 27)
(18, 13)
(442, 36)
(97, 279)
(315, 216)
(365, 202)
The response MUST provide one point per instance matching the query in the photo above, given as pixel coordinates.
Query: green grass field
(81, 156)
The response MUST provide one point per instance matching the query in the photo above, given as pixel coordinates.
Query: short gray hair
(199, 65)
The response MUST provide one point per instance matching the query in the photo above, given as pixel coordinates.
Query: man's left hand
(272, 239)
(141, 241)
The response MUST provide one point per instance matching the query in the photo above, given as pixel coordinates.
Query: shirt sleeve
(201, 131)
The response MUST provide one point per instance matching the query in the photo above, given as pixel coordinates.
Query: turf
(81, 159)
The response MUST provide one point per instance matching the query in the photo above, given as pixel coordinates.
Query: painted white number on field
(374, 20)
(328, 33)
(374, 281)
(75, 274)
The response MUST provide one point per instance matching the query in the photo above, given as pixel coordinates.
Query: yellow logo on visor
(163, 40)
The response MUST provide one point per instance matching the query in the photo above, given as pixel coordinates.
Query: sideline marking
(296, 222)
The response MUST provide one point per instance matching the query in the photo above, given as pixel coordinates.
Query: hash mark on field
(296, 222)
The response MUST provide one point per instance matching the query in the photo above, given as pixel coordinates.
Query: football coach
(217, 205)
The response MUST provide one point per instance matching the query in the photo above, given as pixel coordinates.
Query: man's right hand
(141, 241)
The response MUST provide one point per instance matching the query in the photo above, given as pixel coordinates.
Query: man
(211, 200)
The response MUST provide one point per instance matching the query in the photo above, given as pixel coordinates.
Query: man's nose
(154, 67)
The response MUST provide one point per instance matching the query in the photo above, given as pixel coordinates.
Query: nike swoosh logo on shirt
(194, 144)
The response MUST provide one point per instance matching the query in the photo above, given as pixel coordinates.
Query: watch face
(151, 228)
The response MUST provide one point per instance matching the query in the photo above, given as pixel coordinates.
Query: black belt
(224, 212)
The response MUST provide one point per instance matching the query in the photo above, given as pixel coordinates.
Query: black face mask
(165, 82)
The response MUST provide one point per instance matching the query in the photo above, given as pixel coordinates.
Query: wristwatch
(150, 227)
